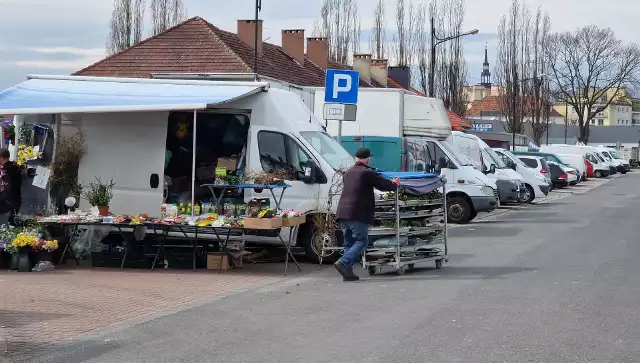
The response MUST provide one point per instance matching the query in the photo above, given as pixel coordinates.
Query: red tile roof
(457, 122)
(492, 104)
(196, 46)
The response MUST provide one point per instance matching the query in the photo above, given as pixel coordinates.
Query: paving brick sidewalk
(40, 308)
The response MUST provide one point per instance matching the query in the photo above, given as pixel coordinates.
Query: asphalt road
(556, 282)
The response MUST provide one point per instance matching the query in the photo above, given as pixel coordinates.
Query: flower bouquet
(26, 153)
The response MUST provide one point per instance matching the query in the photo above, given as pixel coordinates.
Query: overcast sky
(61, 36)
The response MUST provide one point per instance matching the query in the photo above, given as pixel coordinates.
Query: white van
(536, 185)
(406, 132)
(139, 131)
(508, 181)
(600, 167)
(613, 169)
(571, 154)
(622, 166)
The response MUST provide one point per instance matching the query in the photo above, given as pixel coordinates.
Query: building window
(600, 122)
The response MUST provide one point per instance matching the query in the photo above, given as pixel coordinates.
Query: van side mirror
(443, 163)
(513, 166)
(311, 173)
(492, 169)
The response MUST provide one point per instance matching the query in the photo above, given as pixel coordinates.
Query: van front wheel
(458, 210)
(312, 240)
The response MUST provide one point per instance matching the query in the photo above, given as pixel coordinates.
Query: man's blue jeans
(356, 240)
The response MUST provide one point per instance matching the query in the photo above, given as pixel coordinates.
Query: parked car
(551, 157)
(539, 164)
(558, 176)
(590, 170)
(536, 185)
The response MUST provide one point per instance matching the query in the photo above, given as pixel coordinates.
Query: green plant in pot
(99, 194)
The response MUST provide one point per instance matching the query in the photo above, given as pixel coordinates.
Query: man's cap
(363, 153)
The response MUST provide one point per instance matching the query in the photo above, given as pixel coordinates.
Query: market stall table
(278, 201)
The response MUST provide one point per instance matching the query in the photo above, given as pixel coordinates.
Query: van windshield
(329, 149)
(614, 154)
(512, 157)
(496, 159)
(455, 154)
(606, 154)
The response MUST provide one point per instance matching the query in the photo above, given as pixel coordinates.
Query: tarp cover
(51, 96)
(416, 183)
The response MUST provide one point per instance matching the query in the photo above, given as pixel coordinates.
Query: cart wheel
(411, 266)
(438, 264)
(400, 271)
(372, 270)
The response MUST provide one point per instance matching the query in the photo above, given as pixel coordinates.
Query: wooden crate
(262, 223)
(295, 221)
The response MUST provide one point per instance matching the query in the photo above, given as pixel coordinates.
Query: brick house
(199, 49)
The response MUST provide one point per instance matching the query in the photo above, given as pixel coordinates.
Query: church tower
(485, 77)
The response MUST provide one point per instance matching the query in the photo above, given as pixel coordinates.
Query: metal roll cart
(411, 225)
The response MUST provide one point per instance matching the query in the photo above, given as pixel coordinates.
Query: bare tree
(422, 48)
(126, 25)
(166, 13)
(340, 24)
(590, 68)
(450, 68)
(378, 41)
(538, 104)
(404, 43)
(509, 65)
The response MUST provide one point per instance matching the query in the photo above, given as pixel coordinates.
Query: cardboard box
(262, 223)
(227, 163)
(214, 259)
(231, 260)
(295, 221)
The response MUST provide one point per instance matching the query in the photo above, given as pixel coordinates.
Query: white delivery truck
(508, 181)
(406, 132)
(143, 131)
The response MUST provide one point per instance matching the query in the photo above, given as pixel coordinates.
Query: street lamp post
(566, 121)
(434, 42)
(255, 44)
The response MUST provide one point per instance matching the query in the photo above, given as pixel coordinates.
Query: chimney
(362, 64)
(402, 75)
(379, 71)
(318, 51)
(293, 44)
(247, 33)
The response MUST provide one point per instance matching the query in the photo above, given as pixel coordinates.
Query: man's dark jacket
(357, 202)
(11, 197)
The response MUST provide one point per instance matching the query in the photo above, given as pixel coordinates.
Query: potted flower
(45, 250)
(99, 195)
(8, 253)
(25, 243)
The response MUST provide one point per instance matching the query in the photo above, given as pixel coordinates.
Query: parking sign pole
(340, 132)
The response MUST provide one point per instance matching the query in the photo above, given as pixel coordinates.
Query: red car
(590, 171)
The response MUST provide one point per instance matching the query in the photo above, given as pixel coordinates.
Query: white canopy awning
(74, 94)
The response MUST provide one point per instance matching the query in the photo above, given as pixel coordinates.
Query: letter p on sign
(341, 86)
(337, 88)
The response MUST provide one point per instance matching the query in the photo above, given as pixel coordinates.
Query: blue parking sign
(341, 86)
